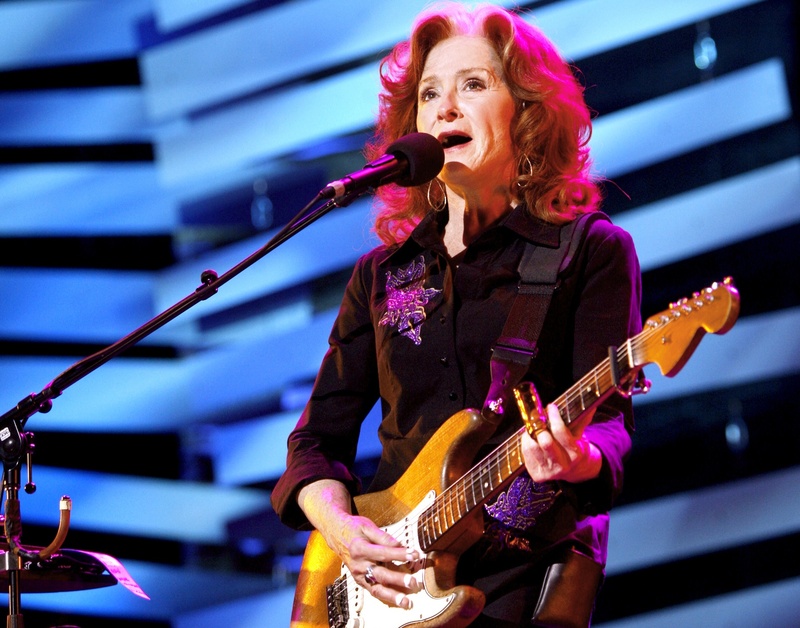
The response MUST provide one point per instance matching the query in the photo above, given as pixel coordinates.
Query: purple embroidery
(406, 298)
(523, 501)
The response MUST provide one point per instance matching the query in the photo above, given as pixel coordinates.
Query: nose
(448, 108)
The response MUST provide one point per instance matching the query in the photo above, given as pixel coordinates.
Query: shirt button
(443, 361)
(442, 319)
(453, 396)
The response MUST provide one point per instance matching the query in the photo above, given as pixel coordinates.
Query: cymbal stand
(14, 619)
(22, 444)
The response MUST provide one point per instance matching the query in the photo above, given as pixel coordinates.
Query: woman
(421, 314)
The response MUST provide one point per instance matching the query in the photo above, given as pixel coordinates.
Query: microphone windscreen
(424, 154)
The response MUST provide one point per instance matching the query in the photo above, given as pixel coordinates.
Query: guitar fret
(474, 499)
(424, 530)
(429, 531)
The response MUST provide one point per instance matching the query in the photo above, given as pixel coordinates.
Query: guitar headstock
(670, 337)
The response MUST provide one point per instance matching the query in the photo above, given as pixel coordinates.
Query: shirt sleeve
(323, 443)
(608, 314)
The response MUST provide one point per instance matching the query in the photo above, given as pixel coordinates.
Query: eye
(473, 84)
(427, 94)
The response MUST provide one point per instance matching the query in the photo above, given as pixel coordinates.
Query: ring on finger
(370, 577)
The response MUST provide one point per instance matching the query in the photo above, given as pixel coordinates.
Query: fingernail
(403, 601)
(413, 583)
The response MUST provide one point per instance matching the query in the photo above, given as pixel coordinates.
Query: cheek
(502, 135)
(423, 118)
(499, 139)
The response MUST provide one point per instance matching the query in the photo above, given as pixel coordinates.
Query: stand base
(66, 570)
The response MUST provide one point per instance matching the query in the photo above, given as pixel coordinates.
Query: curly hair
(550, 130)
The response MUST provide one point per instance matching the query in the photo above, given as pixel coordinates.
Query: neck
(471, 215)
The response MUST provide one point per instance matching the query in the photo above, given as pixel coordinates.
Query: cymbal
(65, 570)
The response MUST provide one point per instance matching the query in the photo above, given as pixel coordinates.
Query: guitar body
(436, 506)
(445, 458)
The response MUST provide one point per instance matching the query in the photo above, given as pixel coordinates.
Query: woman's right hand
(376, 560)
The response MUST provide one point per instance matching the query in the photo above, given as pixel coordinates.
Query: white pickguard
(369, 612)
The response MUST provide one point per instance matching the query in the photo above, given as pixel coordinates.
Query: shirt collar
(428, 233)
(534, 230)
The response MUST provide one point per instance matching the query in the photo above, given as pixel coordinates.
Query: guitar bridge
(338, 609)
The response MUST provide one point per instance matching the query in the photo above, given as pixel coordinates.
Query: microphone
(413, 159)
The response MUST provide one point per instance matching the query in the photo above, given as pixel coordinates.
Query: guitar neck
(492, 474)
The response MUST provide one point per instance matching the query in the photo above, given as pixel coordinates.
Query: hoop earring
(443, 203)
(525, 164)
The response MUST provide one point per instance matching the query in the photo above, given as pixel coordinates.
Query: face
(464, 102)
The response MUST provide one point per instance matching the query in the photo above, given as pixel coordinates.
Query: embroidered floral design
(406, 298)
(522, 502)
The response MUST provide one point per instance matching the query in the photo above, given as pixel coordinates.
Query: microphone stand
(14, 443)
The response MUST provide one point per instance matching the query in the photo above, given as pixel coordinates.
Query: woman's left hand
(559, 454)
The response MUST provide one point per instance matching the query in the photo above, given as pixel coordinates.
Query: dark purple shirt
(415, 333)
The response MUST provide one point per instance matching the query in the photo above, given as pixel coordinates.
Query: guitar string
(483, 471)
(513, 444)
(633, 346)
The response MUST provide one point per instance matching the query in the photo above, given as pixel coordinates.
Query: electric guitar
(434, 507)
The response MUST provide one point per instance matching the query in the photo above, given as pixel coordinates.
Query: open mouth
(455, 140)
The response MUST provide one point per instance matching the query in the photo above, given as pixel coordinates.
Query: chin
(455, 167)
(455, 172)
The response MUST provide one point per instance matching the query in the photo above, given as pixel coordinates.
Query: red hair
(551, 129)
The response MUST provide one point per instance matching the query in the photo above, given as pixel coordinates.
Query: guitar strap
(539, 271)
(571, 583)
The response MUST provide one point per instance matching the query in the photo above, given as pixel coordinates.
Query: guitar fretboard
(493, 473)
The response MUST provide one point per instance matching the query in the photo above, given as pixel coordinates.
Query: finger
(548, 444)
(389, 586)
(558, 428)
(397, 577)
(552, 454)
(381, 547)
(390, 596)
(537, 462)
(379, 536)
(531, 450)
